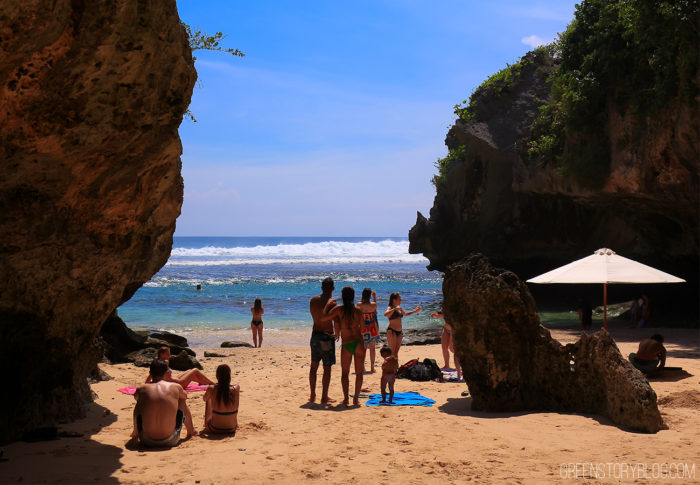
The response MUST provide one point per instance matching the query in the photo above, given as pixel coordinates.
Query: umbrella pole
(605, 306)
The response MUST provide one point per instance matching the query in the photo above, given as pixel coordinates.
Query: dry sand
(284, 439)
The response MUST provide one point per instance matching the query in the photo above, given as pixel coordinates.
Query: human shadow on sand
(72, 457)
(315, 406)
(135, 445)
(206, 434)
(462, 406)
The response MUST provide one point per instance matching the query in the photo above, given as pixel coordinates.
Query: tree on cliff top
(638, 56)
(200, 40)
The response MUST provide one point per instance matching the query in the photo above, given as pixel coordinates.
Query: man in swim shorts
(650, 354)
(161, 410)
(322, 342)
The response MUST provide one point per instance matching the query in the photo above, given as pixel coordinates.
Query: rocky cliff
(530, 217)
(91, 95)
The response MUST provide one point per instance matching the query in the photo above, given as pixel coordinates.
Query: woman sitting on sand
(256, 325)
(221, 411)
(184, 379)
(370, 329)
(395, 314)
(351, 323)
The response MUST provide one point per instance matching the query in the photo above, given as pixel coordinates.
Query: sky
(331, 123)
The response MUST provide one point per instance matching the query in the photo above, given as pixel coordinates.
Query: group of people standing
(357, 327)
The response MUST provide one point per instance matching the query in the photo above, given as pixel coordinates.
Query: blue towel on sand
(401, 399)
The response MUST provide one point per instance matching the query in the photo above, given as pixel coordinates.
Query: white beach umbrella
(605, 266)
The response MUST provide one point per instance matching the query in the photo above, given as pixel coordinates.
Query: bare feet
(312, 397)
(193, 433)
(355, 402)
(346, 402)
(328, 400)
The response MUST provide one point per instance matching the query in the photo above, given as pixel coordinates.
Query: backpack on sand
(428, 370)
(405, 369)
(434, 370)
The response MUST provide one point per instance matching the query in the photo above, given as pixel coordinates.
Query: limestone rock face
(91, 97)
(511, 362)
(530, 219)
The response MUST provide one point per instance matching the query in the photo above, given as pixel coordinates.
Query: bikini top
(395, 315)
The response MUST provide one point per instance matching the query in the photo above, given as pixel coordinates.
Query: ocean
(284, 272)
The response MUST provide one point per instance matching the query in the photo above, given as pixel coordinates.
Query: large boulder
(118, 340)
(511, 362)
(92, 95)
(121, 344)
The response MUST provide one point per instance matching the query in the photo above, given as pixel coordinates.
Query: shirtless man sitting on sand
(651, 353)
(184, 379)
(322, 342)
(161, 410)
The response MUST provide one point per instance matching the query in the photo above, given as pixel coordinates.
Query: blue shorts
(322, 347)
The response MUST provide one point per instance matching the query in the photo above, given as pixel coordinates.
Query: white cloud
(533, 41)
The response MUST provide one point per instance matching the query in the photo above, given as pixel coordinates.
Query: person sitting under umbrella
(651, 353)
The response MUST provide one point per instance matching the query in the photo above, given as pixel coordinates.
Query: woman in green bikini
(349, 319)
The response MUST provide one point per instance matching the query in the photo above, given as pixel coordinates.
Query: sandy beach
(283, 438)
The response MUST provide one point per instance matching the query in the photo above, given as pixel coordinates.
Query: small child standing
(389, 369)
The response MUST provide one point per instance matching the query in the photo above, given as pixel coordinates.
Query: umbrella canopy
(605, 266)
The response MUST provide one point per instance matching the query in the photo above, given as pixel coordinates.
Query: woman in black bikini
(221, 411)
(256, 325)
(395, 314)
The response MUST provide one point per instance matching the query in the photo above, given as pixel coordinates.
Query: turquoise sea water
(285, 272)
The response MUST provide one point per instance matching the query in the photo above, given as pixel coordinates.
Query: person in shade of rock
(161, 410)
(650, 354)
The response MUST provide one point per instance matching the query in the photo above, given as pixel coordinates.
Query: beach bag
(420, 372)
(404, 370)
(434, 370)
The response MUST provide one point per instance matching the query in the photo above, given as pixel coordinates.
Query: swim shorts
(322, 348)
(643, 365)
(167, 442)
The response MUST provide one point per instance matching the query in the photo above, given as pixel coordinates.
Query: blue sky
(332, 122)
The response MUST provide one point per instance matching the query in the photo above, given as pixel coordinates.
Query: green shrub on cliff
(443, 165)
(639, 55)
(200, 40)
(501, 82)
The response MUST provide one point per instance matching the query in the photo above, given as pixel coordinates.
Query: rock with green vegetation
(591, 142)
